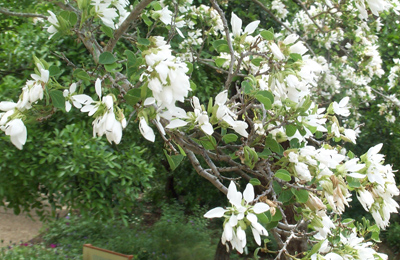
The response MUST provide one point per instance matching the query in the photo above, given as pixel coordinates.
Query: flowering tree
(273, 122)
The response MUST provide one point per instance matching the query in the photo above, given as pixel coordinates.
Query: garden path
(17, 228)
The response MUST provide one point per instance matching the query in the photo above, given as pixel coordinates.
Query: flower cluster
(11, 120)
(109, 11)
(239, 216)
(349, 247)
(377, 197)
(109, 119)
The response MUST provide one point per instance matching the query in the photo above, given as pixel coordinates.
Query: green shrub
(174, 236)
(34, 252)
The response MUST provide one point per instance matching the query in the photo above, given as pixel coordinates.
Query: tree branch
(8, 12)
(125, 25)
(228, 39)
(213, 179)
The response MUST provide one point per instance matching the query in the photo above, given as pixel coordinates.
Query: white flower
(17, 132)
(276, 51)
(236, 23)
(341, 107)
(303, 173)
(290, 39)
(241, 208)
(146, 130)
(165, 15)
(52, 29)
(106, 14)
(201, 117)
(251, 27)
(7, 105)
(351, 135)
(93, 106)
(299, 48)
(365, 198)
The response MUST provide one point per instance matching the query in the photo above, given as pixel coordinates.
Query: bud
(315, 203)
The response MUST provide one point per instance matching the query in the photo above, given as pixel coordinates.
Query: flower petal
(98, 87)
(176, 123)
(251, 27)
(248, 193)
(215, 213)
(260, 207)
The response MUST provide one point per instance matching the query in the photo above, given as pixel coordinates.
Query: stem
(126, 24)
(8, 12)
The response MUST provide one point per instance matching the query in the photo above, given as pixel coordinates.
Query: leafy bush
(83, 173)
(33, 252)
(174, 236)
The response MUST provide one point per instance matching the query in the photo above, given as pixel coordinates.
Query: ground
(17, 228)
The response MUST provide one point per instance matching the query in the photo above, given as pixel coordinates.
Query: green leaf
(111, 67)
(315, 248)
(267, 94)
(174, 160)
(229, 138)
(267, 35)
(256, 253)
(193, 85)
(285, 196)
(294, 143)
(57, 98)
(263, 218)
(223, 48)
(54, 71)
(271, 143)
(147, 20)
(106, 58)
(295, 56)
(283, 175)
(190, 67)
(156, 6)
(208, 143)
(353, 182)
(277, 188)
(132, 97)
(107, 31)
(290, 130)
(73, 18)
(220, 61)
(265, 101)
(265, 153)
(143, 41)
(247, 87)
(277, 216)
(257, 61)
(217, 43)
(255, 182)
(301, 195)
(81, 74)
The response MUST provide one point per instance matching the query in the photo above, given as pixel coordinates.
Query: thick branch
(213, 179)
(8, 12)
(125, 25)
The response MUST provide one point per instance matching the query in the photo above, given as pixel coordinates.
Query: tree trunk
(221, 253)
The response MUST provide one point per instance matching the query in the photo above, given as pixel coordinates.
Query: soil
(16, 229)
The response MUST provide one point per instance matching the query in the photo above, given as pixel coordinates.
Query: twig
(125, 25)
(228, 39)
(8, 12)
